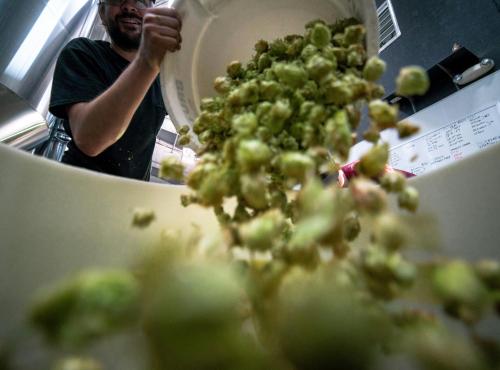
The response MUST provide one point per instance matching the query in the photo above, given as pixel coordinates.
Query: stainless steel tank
(33, 34)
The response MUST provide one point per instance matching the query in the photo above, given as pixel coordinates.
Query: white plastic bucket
(57, 220)
(216, 32)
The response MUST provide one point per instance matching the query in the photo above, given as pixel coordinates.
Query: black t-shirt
(84, 70)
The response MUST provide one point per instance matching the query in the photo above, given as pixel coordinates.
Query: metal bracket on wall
(475, 72)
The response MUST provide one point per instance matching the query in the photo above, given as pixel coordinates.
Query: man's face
(123, 23)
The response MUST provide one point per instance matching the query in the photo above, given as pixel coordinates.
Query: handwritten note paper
(449, 143)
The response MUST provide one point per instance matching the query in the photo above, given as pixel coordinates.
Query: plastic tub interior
(56, 220)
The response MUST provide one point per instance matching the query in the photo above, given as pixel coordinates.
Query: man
(109, 93)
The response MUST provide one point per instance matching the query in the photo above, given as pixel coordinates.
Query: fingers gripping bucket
(216, 32)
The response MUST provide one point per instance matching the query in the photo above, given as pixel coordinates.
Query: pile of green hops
(283, 119)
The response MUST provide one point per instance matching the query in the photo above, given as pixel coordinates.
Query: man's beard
(121, 39)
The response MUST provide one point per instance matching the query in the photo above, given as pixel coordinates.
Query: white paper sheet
(453, 128)
(449, 143)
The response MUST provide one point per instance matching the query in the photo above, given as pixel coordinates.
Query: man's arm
(98, 124)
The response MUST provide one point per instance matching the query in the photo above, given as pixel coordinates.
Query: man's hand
(160, 33)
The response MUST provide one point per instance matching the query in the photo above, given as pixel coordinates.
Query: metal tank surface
(20, 125)
(33, 34)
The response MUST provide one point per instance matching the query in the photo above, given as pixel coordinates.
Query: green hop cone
(409, 199)
(320, 35)
(247, 93)
(78, 364)
(355, 58)
(204, 121)
(278, 48)
(184, 140)
(222, 85)
(406, 129)
(262, 112)
(278, 199)
(463, 294)
(359, 87)
(261, 232)
(301, 249)
(351, 226)
(368, 196)
(328, 52)
(253, 190)
(245, 124)
(198, 174)
(143, 217)
(318, 67)
(308, 52)
(287, 142)
(308, 91)
(374, 161)
(279, 112)
(305, 109)
(90, 306)
(261, 46)
(171, 169)
(252, 155)
(270, 90)
(340, 55)
(338, 93)
(412, 80)
(265, 61)
(372, 135)
(403, 272)
(316, 200)
(339, 39)
(290, 74)
(235, 69)
(317, 115)
(187, 200)
(354, 34)
(191, 308)
(310, 25)
(374, 69)
(489, 273)
(214, 188)
(264, 133)
(207, 104)
(393, 182)
(457, 281)
(383, 114)
(241, 214)
(431, 345)
(184, 130)
(296, 165)
(295, 46)
(375, 262)
(321, 326)
(389, 232)
(338, 134)
(376, 91)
